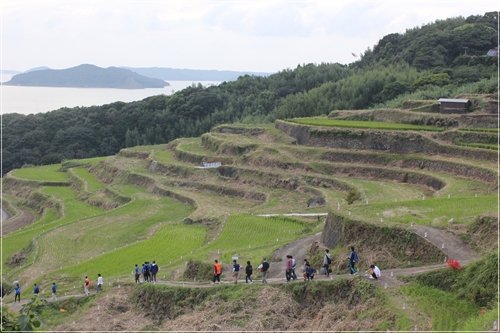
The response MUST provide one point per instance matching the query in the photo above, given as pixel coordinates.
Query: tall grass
(447, 312)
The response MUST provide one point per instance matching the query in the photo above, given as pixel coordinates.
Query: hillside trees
(83, 132)
(427, 61)
(354, 92)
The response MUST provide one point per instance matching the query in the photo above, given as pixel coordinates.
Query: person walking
(137, 273)
(36, 290)
(353, 259)
(86, 286)
(154, 271)
(99, 283)
(236, 271)
(145, 271)
(248, 273)
(264, 269)
(288, 269)
(327, 261)
(18, 293)
(217, 271)
(294, 276)
(54, 291)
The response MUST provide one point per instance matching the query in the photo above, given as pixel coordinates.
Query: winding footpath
(454, 248)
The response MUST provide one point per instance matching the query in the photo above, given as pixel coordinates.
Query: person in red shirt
(217, 271)
(87, 286)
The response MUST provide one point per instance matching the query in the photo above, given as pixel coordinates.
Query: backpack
(328, 260)
(265, 266)
(355, 257)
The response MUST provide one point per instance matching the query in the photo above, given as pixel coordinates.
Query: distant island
(86, 76)
(173, 74)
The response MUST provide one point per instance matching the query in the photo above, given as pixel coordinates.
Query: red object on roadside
(454, 264)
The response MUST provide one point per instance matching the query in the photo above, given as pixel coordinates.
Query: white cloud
(237, 35)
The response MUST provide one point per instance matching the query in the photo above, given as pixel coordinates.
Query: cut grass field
(434, 212)
(47, 173)
(376, 125)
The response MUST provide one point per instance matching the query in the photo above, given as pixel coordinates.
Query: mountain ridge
(86, 76)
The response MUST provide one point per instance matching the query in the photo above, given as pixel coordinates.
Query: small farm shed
(448, 105)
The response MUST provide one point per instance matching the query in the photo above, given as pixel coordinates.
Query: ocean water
(28, 100)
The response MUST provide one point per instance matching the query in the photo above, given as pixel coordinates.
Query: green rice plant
(478, 145)
(253, 237)
(364, 124)
(93, 183)
(169, 243)
(433, 211)
(74, 210)
(447, 312)
(480, 129)
(47, 173)
(99, 235)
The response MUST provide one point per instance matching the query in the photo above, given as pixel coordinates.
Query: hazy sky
(265, 36)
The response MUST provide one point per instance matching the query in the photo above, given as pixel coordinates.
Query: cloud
(278, 19)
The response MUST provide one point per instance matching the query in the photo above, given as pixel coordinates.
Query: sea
(31, 100)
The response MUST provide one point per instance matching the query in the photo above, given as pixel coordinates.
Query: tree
(352, 196)
(52, 158)
(29, 316)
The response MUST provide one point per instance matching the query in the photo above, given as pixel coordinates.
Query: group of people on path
(86, 284)
(36, 288)
(290, 274)
(263, 268)
(148, 272)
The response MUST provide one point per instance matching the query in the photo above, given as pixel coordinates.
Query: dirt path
(298, 249)
(454, 248)
(448, 243)
(24, 218)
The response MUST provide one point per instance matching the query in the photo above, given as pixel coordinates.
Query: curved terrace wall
(411, 162)
(392, 141)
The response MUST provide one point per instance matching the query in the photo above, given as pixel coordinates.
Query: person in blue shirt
(310, 272)
(144, 272)
(36, 290)
(137, 273)
(18, 293)
(353, 259)
(54, 291)
(236, 271)
(154, 271)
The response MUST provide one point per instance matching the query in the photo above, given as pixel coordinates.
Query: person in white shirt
(374, 272)
(99, 283)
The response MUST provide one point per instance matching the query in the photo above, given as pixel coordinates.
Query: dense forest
(440, 59)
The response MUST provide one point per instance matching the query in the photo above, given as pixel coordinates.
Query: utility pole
(465, 48)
